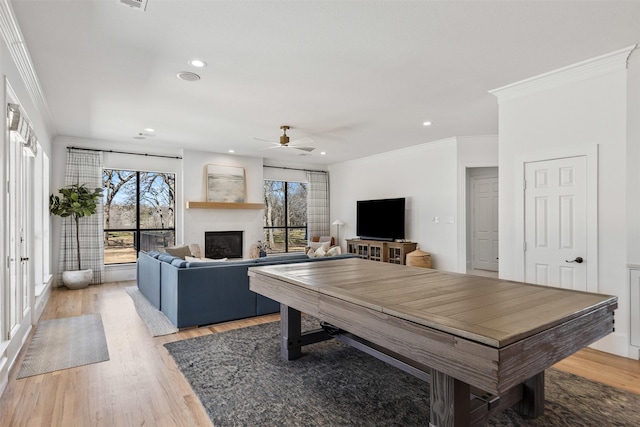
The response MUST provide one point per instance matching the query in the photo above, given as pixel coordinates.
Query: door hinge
(524, 247)
(524, 184)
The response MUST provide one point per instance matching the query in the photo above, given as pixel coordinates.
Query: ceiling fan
(284, 141)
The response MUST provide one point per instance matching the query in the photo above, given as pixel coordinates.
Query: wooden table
(472, 336)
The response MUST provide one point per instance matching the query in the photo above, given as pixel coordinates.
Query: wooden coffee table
(482, 343)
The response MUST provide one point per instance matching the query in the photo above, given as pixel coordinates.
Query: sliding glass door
(18, 209)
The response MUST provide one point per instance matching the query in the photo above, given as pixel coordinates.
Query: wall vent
(134, 4)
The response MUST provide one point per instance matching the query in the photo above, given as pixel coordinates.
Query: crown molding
(10, 31)
(593, 67)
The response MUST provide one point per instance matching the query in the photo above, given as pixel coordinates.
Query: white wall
(428, 175)
(633, 157)
(197, 221)
(579, 115)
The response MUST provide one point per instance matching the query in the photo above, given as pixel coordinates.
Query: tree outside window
(139, 213)
(285, 216)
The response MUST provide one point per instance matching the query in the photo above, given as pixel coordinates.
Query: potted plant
(262, 248)
(77, 201)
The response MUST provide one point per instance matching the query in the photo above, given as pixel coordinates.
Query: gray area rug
(241, 380)
(156, 321)
(65, 343)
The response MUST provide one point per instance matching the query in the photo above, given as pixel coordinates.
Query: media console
(378, 250)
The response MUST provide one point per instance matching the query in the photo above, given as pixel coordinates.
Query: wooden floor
(141, 385)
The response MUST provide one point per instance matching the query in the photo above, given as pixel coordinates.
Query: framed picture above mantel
(225, 184)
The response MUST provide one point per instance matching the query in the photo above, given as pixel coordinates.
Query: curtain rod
(294, 169)
(125, 152)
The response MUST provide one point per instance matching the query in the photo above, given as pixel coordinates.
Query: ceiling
(357, 78)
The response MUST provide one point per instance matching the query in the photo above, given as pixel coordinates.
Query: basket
(419, 258)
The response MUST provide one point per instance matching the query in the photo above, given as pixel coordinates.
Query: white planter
(77, 279)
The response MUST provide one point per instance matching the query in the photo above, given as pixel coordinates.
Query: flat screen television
(380, 219)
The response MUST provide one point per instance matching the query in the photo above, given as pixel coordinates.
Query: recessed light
(232, 151)
(323, 153)
(149, 130)
(426, 123)
(198, 63)
(187, 76)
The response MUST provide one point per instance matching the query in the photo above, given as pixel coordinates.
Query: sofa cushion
(153, 254)
(179, 263)
(166, 258)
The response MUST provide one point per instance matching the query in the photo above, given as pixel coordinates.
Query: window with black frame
(139, 213)
(285, 216)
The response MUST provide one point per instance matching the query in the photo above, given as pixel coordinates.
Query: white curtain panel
(318, 222)
(84, 167)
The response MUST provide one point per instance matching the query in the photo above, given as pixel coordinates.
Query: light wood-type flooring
(141, 386)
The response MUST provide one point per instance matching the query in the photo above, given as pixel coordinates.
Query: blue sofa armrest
(148, 278)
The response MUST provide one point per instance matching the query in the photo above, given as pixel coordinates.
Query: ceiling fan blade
(265, 140)
(301, 141)
(307, 149)
(271, 148)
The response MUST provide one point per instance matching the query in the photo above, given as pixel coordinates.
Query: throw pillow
(334, 251)
(311, 253)
(179, 251)
(320, 251)
(316, 245)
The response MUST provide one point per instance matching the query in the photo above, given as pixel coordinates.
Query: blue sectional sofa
(202, 293)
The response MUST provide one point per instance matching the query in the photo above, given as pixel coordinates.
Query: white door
(18, 208)
(485, 223)
(556, 222)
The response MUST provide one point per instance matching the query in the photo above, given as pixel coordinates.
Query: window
(139, 213)
(285, 216)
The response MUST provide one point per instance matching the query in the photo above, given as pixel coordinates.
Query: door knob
(578, 259)
(24, 259)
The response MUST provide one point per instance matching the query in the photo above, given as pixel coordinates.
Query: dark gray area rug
(65, 343)
(241, 380)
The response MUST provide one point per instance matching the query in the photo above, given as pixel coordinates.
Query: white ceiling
(358, 78)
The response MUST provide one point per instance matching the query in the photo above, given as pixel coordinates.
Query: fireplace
(223, 244)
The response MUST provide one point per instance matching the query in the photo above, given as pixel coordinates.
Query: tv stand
(376, 239)
(380, 250)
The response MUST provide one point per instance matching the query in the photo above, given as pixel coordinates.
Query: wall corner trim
(600, 65)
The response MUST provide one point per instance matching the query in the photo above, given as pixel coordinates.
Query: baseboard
(4, 374)
(618, 344)
(120, 273)
(41, 302)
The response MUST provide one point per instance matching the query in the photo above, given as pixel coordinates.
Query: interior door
(485, 223)
(556, 222)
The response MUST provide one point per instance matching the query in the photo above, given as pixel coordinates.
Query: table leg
(290, 333)
(450, 403)
(532, 403)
